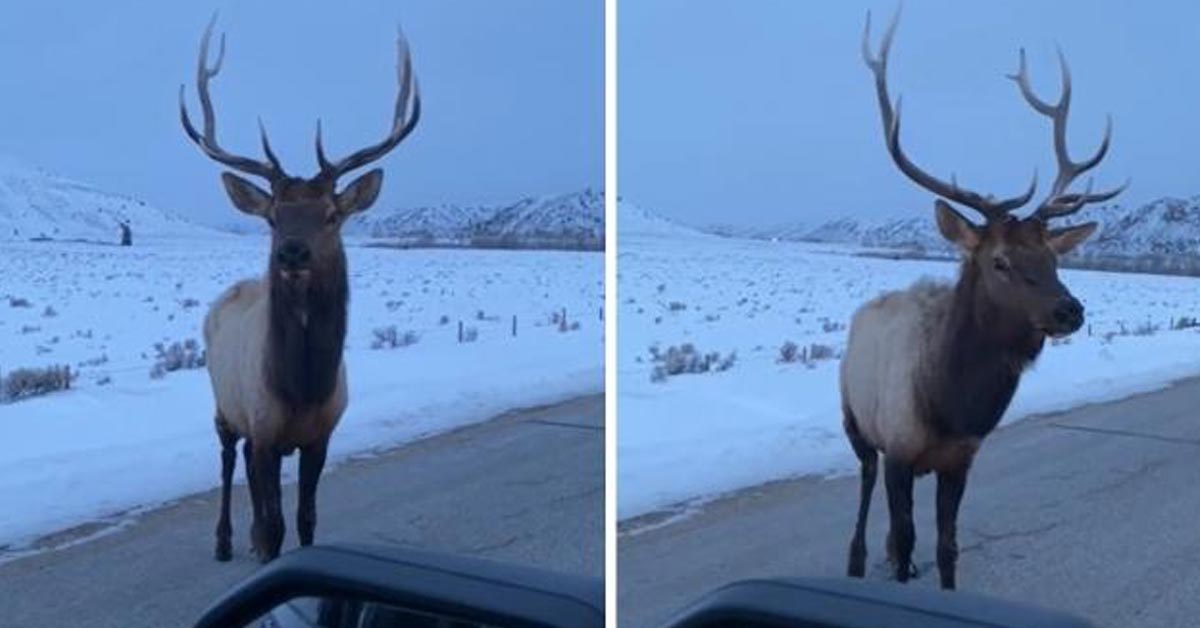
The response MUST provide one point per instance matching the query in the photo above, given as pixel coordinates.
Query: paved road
(526, 487)
(1095, 511)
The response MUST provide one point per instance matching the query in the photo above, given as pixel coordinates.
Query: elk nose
(292, 254)
(1069, 313)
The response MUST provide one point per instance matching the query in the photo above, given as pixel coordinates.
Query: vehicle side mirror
(383, 587)
(845, 603)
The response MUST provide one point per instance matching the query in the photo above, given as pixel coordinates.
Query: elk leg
(869, 463)
(949, 495)
(269, 539)
(898, 477)
(312, 461)
(229, 441)
(252, 482)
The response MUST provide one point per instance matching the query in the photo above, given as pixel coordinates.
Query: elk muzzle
(1067, 316)
(292, 257)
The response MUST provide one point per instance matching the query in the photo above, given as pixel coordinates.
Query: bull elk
(275, 343)
(929, 371)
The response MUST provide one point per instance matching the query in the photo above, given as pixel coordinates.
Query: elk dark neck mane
(307, 333)
(978, 360)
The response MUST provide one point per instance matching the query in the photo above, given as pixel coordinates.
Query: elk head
(305, 215)
(1016, 259)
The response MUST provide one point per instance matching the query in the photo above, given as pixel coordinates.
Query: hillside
(634, 220)
(1163, 235)
(567, 221)
(39, 205)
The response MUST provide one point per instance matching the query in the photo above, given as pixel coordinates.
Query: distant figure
(126, 235)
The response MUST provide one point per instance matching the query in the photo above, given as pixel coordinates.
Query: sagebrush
(32, 382)
(390, 338)
(678, 360)
(177, 357)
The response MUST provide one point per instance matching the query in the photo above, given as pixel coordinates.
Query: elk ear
(1064, 239)
(362, 193)
(245, 195)
(955, 227)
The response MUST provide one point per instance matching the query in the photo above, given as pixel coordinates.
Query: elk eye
(332, 219)
(1001, 264)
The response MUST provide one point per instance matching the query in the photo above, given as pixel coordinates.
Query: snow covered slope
(440, 224)
(102, 309)
(635, 221)
(36, 204)
(1168, 226)
(1165, 227)
(573, 220)
(694, 427)
(570, 219)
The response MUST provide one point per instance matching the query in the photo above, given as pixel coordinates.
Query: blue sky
(762, 111)
(512, 92)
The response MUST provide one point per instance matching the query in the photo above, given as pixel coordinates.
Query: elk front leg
(252, 481)
(312, 461)
(228, 438)
(898, 477)
(949, 495)
(269, 526)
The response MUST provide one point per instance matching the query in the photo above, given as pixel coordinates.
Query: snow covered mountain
(440, 224)
(567, 221)
(1165, 227)
(572, 221)
(38, 205)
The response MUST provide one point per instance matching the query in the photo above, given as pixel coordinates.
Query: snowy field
(697, 435)
(120, 439)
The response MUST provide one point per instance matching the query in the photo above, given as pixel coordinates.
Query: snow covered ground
(119, 439)
(694, 436)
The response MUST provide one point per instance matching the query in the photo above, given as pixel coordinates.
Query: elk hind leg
(868, 459)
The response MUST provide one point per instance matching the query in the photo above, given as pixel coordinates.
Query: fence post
(514, 326)
(460, 332)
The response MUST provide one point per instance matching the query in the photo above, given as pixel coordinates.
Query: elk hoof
(224, 552)
(904, 574)
(265, 557)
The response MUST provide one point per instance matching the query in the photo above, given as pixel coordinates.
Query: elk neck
(306, 333)
(978, 361)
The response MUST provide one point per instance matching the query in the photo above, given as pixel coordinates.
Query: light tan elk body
(274, 343)
(929, 371)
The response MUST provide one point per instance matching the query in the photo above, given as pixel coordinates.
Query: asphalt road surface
(527, 487)
(1095, 511)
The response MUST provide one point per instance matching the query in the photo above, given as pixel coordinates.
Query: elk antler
(1060, 202)
(404, 120)
(271, 169)
(991, 208)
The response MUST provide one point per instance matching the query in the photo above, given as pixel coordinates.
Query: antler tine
(1060, 202)
(270, 170)
(1067, 204)
(322, 160)
(266, 146)
(890, 117)
(404, 120)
